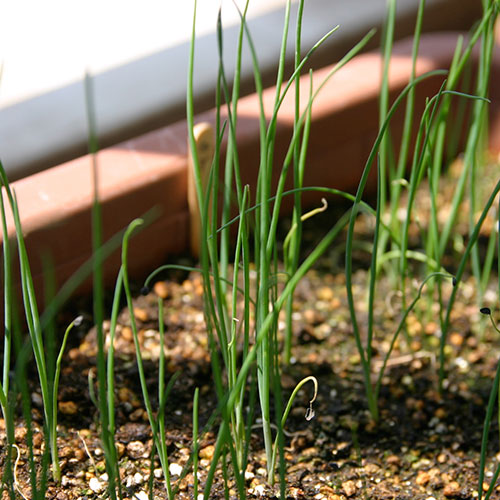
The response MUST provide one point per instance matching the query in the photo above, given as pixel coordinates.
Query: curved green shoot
(55, 387)
(308, 416)
(400, 327)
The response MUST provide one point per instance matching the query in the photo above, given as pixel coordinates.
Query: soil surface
(425, 446)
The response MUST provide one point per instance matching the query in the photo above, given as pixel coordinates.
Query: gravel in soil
(425, 446)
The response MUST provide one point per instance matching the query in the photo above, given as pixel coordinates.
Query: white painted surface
(51, 43)
(137, 51)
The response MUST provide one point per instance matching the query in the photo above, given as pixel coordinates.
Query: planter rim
(146, 94)
(151, 170)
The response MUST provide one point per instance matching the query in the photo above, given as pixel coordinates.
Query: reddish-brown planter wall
(149, 173)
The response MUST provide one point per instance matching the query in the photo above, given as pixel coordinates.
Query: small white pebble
(440, 428)
(37, 399)
(462, 364)
(95, 485)
(138, 478)
(249, 475)
(158, 473)
(200, 496)
(175, 469)
(150, 334)
(141, 495)
(433, 422)
(259, 490)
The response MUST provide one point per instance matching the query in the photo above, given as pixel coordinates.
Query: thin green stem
(195, 442)
(460, 270)
(372, 404)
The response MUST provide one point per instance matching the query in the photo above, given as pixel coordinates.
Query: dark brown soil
(425, 446)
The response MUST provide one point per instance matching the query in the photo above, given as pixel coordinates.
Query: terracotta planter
(150, 172)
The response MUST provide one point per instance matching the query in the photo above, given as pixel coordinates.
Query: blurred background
(136, 53)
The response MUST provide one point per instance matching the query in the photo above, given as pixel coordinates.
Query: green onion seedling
(487, 423)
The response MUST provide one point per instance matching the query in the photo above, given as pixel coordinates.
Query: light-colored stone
(175, 469)
(207, 452)
(452, 489)
(96, 486)
(423, 478)
(68, 407)
(349, 488)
